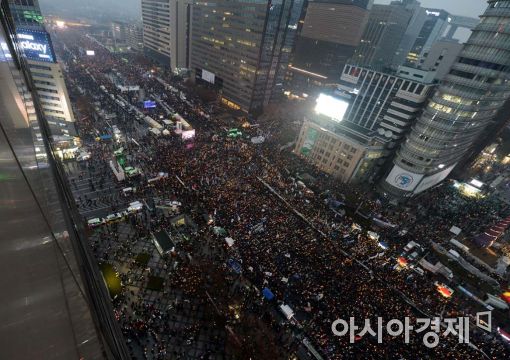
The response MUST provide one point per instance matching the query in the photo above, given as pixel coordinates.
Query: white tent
(287, 311)
(455, 230)
(230, 242)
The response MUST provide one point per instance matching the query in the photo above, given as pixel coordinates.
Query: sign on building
(36, 45)
(403, 179)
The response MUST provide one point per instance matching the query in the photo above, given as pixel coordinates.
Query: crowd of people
(286, 237)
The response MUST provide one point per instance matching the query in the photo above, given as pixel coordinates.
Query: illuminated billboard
(332, 107)
(208, 76)
(36, 45)
(90, 52)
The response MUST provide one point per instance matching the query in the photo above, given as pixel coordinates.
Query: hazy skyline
(472, 8)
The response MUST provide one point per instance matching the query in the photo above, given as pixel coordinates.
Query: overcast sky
(457, 7)
(131, 8)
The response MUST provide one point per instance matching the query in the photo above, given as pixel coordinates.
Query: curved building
(467, 101)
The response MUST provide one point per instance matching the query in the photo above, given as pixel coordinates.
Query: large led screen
(331, 107)
(36, 45)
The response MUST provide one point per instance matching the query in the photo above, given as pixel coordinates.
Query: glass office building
(53, 302)
(467, 101)
(242, 48)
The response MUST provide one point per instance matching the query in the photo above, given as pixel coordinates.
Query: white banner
(403, 179)
(433, 180)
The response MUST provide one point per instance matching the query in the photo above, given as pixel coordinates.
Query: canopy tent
(382, 223)
(456, 230)
(487, 238)
(219, 231)
(268, 294)
(234, 265)
(229, 241)
(484, 240)
(383, 245)
(234, 133)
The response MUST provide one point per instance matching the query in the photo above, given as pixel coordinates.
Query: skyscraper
(242, 48)
(362, 123)
(413, 30)
(467, 101)
(436, 22)
(440, 57)
(135, 37)
(46, 72)
(383, 34)
(330, 33)
(166, 31)
(46, 304)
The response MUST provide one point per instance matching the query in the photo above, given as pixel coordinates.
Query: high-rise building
(467, 101)
(119, 31)
(383, 34)
(440, 57)
(360, 126)
(166, 31)
(47, 304)
(242, 48)
(46, 73)
(135, 37)
(330, 33)
(433, 28)
(437, 25)
(411, 34)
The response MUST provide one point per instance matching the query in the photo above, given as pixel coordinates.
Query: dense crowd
(253, 193)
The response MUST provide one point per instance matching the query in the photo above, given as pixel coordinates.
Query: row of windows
(44, 82)
(500, 4)
(43, 75)
(40, 67)
(47, 90)
(42, 96)
(449, 110)
(483, 64)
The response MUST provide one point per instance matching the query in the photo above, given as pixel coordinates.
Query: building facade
(379, 108)
(440, 57)
(46, 73)
(119, 32)
(383, 34)
(166, 31)
(333, 153)
(46, 305)
(412, 32)
(465, 104)
(54, 98)
(243, 48)
(330, 33)
(134, 36)
(435, 25)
